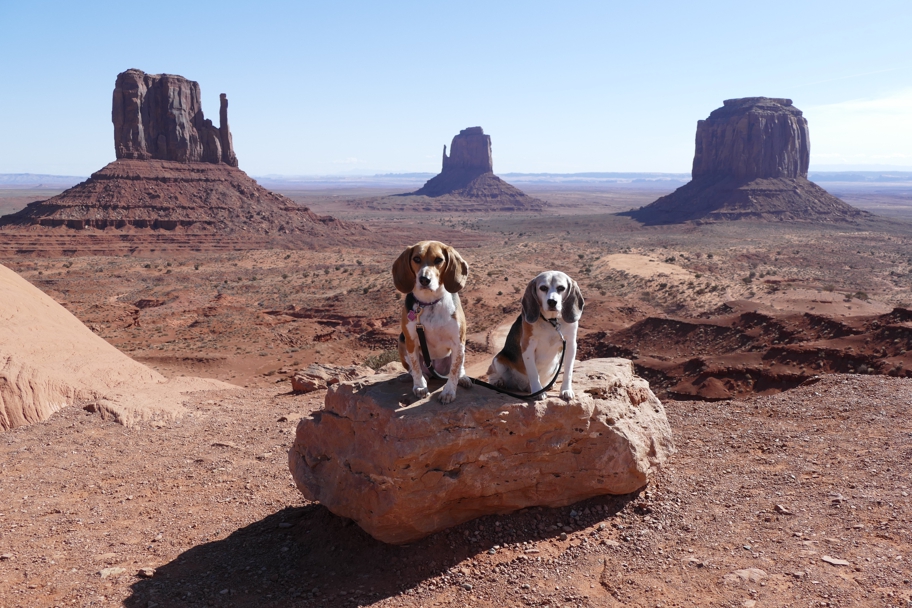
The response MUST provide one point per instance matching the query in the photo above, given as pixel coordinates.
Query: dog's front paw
(447, 394)
(420, 391)
(465, 382)
(567, 395)
(541, 396)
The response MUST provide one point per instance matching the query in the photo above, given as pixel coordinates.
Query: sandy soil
(790, 484)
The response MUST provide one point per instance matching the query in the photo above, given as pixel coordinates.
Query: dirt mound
(732, 198)
(749, 349)
(49, 359)
(149, 204)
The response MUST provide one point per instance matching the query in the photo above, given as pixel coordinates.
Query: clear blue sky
(364, 87)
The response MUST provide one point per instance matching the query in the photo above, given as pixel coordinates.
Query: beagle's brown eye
(560, 288)
(417, 259)
(543, 288)
(438, 260)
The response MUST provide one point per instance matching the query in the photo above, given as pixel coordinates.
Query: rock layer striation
(750, 162)
(403, 469)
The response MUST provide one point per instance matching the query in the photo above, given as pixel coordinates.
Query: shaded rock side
(169, 196)
(403, 470)
(49, 360)
(750, 162)
(753, 137)
(160, 116)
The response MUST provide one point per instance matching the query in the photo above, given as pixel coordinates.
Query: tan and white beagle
(532, 351)
(431, 274)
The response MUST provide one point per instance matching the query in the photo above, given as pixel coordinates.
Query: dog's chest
(441, 328)
(547, 343)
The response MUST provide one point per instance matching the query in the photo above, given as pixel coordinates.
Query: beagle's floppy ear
(572, 308)
(403, 275)
(530, 304)
(456, 271)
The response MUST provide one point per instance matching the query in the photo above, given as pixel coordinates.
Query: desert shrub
(829, 287)
(377, 361)
(196, 266)
(860, 295)
(670, 259)
(709, 256)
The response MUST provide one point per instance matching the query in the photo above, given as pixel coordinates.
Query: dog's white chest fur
(546, 345)
(440, 329)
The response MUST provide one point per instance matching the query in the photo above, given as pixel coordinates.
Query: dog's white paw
(420, 391)
(567, 395)
(447, 394)
(465, 382)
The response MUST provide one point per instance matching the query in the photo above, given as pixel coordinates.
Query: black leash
(430, 364)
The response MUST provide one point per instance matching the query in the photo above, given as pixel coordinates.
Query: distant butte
(176, 174)
(467, 181)
(751, 162)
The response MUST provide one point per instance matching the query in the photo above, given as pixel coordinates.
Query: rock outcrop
(176, 173)
(49, 359)
(468, 175)
(750, 162)
(318, 376)
(403, 469)
(160, 116)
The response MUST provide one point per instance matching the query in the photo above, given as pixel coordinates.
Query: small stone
(223, 592)
(467, 586)
(835, 561)
(563, 536)
(109, 572)
(146, 572)
(284, 524)
(492, 550)
(749, 575)
(6, 557)
(782, 510)
(602, 526)
(525, 586)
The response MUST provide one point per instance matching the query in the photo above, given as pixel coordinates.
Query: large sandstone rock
(753, 137)
(49, 359)
(160, 116)
(750, 162)
(403, 469)
(467, 176)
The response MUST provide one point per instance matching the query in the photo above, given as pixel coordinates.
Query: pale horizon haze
(364, 87)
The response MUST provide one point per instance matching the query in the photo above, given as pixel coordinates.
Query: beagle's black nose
(552, 304)
(424, 281)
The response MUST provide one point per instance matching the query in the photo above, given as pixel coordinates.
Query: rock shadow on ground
(306, 556)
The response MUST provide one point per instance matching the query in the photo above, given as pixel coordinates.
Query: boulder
(318, 376)
(750, 162)
(160, 116)
(404, 468)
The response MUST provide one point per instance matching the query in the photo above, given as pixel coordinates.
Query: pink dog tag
(412, 316)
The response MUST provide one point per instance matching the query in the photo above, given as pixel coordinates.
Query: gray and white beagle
(532, 351)
(431, 274)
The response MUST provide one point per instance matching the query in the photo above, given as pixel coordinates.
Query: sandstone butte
(403, 469)
(751, 162)
(49, 360)
(467, 182)
(176, 174)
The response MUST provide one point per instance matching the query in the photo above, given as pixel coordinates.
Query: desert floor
(766, 498)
